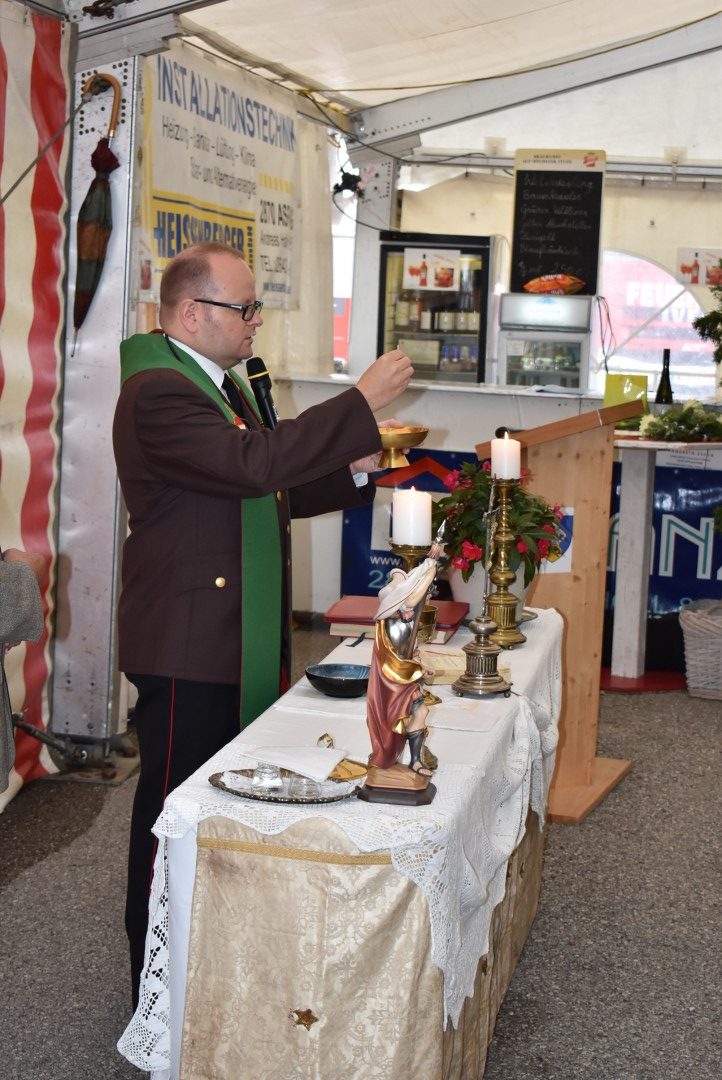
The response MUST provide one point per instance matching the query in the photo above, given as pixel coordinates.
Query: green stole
(261, 559)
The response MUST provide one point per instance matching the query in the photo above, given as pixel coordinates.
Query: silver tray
(330, 790)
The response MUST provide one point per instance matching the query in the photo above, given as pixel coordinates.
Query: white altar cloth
(496, 761)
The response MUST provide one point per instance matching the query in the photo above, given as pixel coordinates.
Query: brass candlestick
(500, 603)
(481, 676)
(411, 555)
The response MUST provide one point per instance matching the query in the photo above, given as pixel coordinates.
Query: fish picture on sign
(554, 285)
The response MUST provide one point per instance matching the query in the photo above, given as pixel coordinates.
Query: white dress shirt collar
(212, 370)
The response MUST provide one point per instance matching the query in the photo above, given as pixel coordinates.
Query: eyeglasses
(247, 310)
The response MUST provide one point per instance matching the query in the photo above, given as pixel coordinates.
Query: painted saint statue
(397, 709)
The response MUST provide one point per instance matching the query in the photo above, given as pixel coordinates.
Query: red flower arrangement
(533, 521)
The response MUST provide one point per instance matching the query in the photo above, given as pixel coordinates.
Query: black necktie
(234, 397)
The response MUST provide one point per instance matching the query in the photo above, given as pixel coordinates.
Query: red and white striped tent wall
(34, 104)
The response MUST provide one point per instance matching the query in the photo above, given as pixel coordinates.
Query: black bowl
(339, 680)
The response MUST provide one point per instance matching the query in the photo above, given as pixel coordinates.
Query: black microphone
(260, 382)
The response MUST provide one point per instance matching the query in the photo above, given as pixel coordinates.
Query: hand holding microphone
(260, 382)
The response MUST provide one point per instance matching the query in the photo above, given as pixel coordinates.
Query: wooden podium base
(569, 804)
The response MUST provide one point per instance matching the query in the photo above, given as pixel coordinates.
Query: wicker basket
(701, 623)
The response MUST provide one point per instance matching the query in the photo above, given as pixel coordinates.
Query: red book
(361, 610)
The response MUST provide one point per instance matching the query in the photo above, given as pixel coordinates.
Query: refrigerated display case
(544, 340)
(434, 301)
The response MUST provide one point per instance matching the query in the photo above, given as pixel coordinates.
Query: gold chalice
(394, 440)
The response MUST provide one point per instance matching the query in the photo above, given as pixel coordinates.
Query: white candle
(506, 458)
(411, 522)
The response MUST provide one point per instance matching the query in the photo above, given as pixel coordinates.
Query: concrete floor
(621, 976)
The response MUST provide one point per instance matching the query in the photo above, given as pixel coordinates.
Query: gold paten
(303, 1018)
(348, 770)
(394, 440)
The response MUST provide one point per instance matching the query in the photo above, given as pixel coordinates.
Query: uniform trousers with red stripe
(180, 724)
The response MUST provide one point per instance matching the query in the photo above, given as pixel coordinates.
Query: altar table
(351, 939)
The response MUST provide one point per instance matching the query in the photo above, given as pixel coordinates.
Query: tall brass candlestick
(500, 603)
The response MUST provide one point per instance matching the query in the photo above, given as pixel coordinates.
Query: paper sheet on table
(447, 664)
(316, 762)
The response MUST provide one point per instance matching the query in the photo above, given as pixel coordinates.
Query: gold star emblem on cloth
(303, 1018)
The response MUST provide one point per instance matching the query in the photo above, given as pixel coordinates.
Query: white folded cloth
(315, 762)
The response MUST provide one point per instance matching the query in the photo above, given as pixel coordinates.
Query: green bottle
(664, 388)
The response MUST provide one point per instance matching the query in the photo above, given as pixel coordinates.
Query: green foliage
(534, 523)
(709, 327)
(689, 421)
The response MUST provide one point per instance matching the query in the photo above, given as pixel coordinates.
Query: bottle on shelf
(455, 358)
(461, 316)
(416, 305)
(401, 315)
(664, 387)
(425, 322)
(464, 296)
(474, 317)
(445, 321)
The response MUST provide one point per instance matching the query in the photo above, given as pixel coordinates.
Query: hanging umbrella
(95, 219)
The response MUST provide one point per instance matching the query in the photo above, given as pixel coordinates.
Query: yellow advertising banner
(220, 163)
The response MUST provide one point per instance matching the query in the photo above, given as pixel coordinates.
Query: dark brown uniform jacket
(184, 470)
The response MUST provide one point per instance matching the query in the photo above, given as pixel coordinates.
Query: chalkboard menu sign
(557, 214)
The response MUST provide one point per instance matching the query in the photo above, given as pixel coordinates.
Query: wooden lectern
(570, 462)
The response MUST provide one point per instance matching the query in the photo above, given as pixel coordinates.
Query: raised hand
(386, 379)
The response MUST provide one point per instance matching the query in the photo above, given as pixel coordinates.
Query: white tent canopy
(417, 73)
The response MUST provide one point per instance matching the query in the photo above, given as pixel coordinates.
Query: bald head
(200, 274)
(191, 274)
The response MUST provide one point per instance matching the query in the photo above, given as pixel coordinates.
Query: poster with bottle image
(435, 268)
(699, 266)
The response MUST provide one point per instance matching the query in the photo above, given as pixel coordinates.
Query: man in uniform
(204, 611)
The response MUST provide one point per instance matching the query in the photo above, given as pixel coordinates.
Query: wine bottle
(415, 307)
(402, 310)
(664, 387)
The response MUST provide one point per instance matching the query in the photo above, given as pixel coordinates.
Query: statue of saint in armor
(396, 707)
